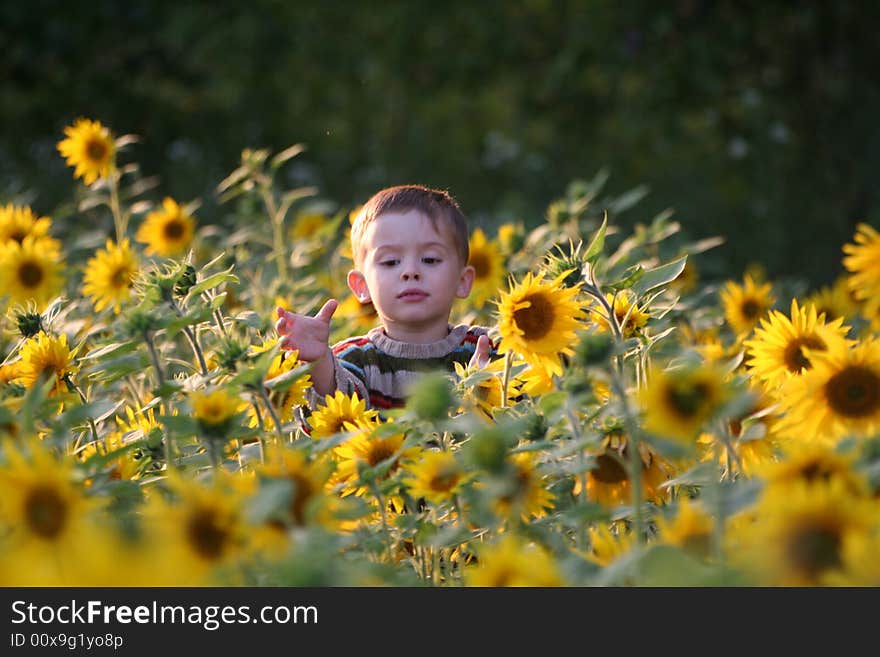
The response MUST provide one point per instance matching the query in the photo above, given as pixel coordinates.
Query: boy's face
(412, 273)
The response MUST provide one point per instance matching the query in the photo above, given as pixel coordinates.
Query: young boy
(410, 249)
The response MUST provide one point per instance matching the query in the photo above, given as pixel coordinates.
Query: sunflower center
(173, 230)
(687, 398)
(45, 512)
(698, 543)
(379, 452)
(30, 273)
(302, 493)
(608, 470)
(816, 472)
(815, 550)
(96, 150)
(481, 266)
(536, 321)
(206, 535)
(750, 308)
(794, 357)
(443, 481)
(120, 278)
(854, 392)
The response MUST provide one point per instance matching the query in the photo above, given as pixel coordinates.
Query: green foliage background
(756, 121)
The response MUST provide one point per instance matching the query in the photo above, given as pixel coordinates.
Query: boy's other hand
(481, 354)
(309, 335)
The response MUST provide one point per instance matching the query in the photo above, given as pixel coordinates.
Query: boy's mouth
(412, 294)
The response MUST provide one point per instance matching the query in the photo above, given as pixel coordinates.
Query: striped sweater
(380, 369)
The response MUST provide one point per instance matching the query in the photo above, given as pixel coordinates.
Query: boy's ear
(358, 285)
(465, 282)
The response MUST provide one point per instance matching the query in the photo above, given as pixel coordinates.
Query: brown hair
(435, 204)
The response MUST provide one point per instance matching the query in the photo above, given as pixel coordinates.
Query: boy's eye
(430, 261)
(391, 262)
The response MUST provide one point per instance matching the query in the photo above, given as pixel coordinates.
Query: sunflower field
(641, 427)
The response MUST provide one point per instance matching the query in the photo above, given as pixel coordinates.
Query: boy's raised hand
(310, 335)
(481, 353)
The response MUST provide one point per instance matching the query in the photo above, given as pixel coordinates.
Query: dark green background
(753, 120)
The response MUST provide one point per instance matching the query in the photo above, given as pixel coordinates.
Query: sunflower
(31, 270)
(630, 318)
(690, 529)
(360, 316)
(308, 503)
(46, 355)
(812, 464)
(125, 466)
(44, 516)
(686, 281)
(745, 304)
(489, 272)
(307, 224)
(18, 222)
(511, 237)
(89, 148)
(608, 542)
(200, 530)
(839, 395)
(215, 410)
(485, 396)
(835, 300)
(168, 231)
(292, 396)
(863, 261)
(436, 476)
(365, 449)
(776, 350)
(512, 562)
(525, 492)
(678, 403)
(339, 410)
(538, 320)
(533, 381)
(862, 565)
(608, 482)
(753, 440)
(799, 533)
(109, 275)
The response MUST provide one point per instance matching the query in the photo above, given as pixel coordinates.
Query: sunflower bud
(487, 450)
(186, 281)
(230, 353)
(139, 322)
(431, 398)
(29, 323)
(593, 349)
(536, 427)
(566, 263)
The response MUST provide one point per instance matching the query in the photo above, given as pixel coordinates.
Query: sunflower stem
(384, 515)
(262, 435)
(505, 380)
(154, 357)
(82, 397)
(261, 391)
(119, 219)
(277, 229)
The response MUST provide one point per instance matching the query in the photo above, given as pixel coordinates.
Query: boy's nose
(409, 274)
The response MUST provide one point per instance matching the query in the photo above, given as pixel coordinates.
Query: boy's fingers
(327, 310)
(481, 353)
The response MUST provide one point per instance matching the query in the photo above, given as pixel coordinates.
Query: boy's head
(410, 247)
(437, 205)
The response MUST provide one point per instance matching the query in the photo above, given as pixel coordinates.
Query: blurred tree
(752, 120)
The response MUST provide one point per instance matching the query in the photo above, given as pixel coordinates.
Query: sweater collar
(414, 350)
